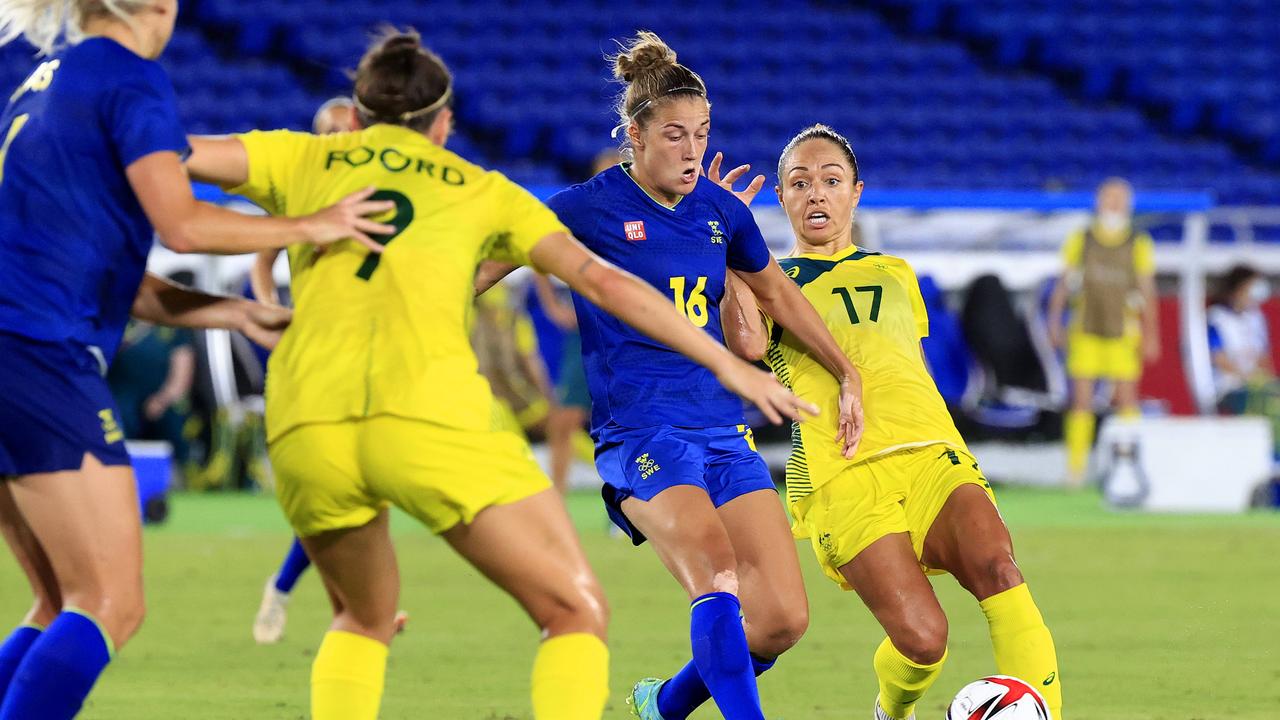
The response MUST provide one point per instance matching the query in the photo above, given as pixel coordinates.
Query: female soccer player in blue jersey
(913, 500)
(90, 162)
(675, 453)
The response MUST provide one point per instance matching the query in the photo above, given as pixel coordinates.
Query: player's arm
(636, 303)
(262, 279)
(558, 311)
(782, 300)
(1145, 263)
(1058, 309)
(177, 383)
(1072, 258)
(162, 302)
(744, 329)
(490, 273)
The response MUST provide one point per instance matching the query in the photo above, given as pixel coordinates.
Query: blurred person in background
(565, 434)
(151, 382)
(1240, 346)
(506, 347)
(1109, 282)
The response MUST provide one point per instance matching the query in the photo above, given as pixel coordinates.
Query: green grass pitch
(1155, 617)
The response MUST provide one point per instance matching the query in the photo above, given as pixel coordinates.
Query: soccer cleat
(268, 626)
(880, 714)
(644, 699)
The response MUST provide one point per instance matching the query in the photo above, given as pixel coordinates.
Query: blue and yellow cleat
(644, 699)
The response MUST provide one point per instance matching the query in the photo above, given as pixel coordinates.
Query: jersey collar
(830, 258)
(626, 170)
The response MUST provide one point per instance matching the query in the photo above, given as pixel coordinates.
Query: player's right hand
(747, 194)
(765, 392)
(348, 219)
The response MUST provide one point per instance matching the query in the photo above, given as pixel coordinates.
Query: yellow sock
(1078, 435)
(571, 678)
(1023, 645)
(902, 682)
(347, 677)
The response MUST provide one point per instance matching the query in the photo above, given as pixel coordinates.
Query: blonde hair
(648, 67)
(43, 22)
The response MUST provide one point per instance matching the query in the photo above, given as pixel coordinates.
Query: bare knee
(585, 610)
(994, 575)
(118, 611)
(777, 634)
(44, 610)
(923, 642)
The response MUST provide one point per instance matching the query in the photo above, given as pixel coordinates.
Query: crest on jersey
(717, 236)
(634, 230)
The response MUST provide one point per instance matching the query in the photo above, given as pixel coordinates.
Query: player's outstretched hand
(763, 390)
(747, 194)
(265, 324)
(851, 420)
(349, 219)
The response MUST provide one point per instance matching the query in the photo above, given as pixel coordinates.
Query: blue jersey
(73, 237)
(684, 251)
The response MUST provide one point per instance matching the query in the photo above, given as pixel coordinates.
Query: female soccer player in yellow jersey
(373, 397)
(913, 500)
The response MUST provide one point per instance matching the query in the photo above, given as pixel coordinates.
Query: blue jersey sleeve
(141, 116)
(747, 250)
(572, 206)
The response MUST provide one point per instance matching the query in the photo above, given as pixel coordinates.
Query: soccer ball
(998, 697)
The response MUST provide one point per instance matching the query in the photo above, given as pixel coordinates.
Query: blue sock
(12, 652)
(722, 666)
(295, 563)
(59, 670)
(685, 691)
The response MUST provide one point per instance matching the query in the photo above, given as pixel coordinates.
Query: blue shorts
(55, 406)
(642, 462)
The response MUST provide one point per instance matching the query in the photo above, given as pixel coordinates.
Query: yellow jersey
(871, 303)
(386, 334)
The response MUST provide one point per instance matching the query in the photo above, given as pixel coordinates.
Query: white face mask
(1113, 221)
(1259, 291)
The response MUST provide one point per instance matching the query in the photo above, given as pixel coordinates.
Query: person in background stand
(1109, 279)
(151, 381)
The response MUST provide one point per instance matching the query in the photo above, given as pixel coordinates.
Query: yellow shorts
(900, 492)
(1101, 358)
(331, 476)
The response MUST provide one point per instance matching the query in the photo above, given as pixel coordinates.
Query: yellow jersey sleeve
(918, 310)
(526, 222)
(1144, 255)
(1073, 250)
(274, 158)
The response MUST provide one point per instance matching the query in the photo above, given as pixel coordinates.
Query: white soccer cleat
(268, 626)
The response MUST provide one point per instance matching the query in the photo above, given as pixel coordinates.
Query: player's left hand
(851, 420)
(747, 194)
(265, 324)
